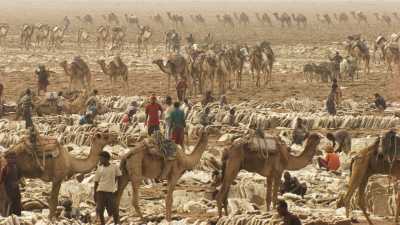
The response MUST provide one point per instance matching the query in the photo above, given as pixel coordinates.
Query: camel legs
(122, 183)
(258, 78)
(55, 189)
(361, 198)
(268, 190)
(275, 190)
(230, 173)
(135, 195)
(168, 200)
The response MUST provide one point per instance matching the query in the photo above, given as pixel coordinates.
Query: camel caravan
(223, 137)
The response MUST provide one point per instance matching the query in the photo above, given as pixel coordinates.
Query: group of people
(335, 96)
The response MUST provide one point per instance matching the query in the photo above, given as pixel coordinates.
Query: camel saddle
(263, 144)
(45, 146)
(158, 145)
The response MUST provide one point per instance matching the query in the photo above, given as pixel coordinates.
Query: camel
(383, 18)
(26, 35)
(359, 16)
(41, 34)
(343, 18)
(56, 37)
(131, 19)
(86, 20)
(226, 20)
(223, 72)
(237, 57)
(175, 65)
(240, 155)
(264, 19)
(203, 67)
(103, 35)
(158, 19)
(368, 162)
(175, 19)
(78, 71)
(4, 28)
(57, 168)
(141, 163)
(143, 39)
(283, 19)
(75, 106)
(83, 37)
(360, 52)
(111, 18)
(391, 56)
(326, 19)
(244, 19)
(300, 19)
(116, 68)
(261, 61)
(118, 36)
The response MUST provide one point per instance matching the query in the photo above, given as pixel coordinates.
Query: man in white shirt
(105, 186)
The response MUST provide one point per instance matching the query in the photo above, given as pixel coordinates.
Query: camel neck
(88, 164)
(191, 160)
(301, 161)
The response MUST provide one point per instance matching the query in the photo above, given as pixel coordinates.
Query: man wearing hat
(43, 78)
(105, 186)
(10, 178)
(331, 161)
(153, 113)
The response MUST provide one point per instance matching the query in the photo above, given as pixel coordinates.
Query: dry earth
(293, 48)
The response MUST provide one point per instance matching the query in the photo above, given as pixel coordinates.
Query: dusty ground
(293, 47)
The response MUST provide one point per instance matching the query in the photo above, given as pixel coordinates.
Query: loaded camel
(223, 72)
(203, 67)
(41, 34)
(83, 37)
(58, 164)
(359, 50)
(77, 71)
(143, 39)
(243, 155)
(237, 57)
(118, 36)
(56, 37)
(375, 159)
(116, 68)
(261, 61)
(174, 66)
(26, 35)
(142, 162)
(175, 19)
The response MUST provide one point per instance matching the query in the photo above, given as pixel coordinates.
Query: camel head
(104, 138)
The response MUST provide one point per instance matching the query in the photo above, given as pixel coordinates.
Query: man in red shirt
(331, 161)
(152, 115)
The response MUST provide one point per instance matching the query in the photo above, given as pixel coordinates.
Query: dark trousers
(181, 93)
(106, 201)
(14, 195)
(153, 128)
(28, 119)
